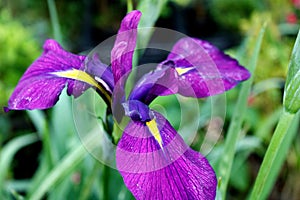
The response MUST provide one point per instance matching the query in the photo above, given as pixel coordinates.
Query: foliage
(65, 169)
(18, 50)
(228, 13)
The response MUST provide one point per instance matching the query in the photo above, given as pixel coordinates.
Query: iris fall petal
(198, 69)
(204, 69)
(173, 171)
(40, 86)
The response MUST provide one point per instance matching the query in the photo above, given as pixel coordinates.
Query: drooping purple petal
(198, 69)
(173, 171)
(122, 52)
(212, 72)
(40, 86)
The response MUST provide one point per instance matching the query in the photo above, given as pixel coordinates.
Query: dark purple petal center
(137, 111)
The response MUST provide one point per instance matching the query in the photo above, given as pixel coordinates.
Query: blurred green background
(228, 24)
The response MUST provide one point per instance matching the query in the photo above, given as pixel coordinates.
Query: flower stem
(129, 6)
(105, 182)
(54, 21)
(225, 164)
(65, 167)
(88, 183)
(266, 172)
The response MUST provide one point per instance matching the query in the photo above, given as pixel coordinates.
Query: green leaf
(66, 166)
(266, 128)
(291, 99)
(280, 143)
(38, 119)
(87, 185)
(54, 20)
(225, 164)
(129, 6)
(18, 185)
(151, 10)
(62, 127)
(8, 152)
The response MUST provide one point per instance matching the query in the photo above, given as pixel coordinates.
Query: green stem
(129, 6)
(47, 147)
(105, 182)
(225, 165)
(40, 122)
(65, 167)
(54, 21)
(7, 154)
(232, 138)
(88, 184)
(265, 173)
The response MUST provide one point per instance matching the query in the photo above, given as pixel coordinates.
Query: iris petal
(121, 59)
(122, 52)
(154, 84)
(40, 86)
(214, 72)
(100, 71)
(173, 171)
(194, 68)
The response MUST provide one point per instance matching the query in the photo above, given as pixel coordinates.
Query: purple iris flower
(151, 156)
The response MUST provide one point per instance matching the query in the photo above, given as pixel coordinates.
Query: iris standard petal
(122, 52)
(170, 170)
(43, 81)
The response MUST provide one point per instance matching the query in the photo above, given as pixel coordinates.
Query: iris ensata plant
(151, 156)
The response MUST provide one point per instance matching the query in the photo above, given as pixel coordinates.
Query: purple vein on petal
(174, 172)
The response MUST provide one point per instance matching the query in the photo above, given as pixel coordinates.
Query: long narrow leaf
(54, 21)
(65, 167)
(275, 156)
(8, 152)
(225, 165)
(283, 134)
(38, 118)
(89, 181)
(151, 11)
(291, 99)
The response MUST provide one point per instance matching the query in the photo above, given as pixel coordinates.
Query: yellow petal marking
(84, 77)
(181, 71)
(152, 125)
